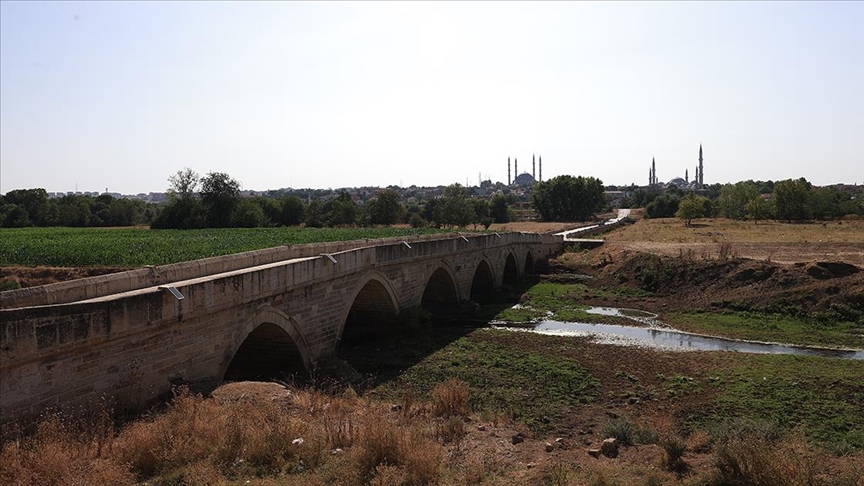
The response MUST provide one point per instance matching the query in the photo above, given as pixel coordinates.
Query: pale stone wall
(132, 345)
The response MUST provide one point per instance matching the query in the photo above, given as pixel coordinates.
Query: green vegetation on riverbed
(562, 300)
(757, 326)
(128, 247)
(534, 383)
(823, 397)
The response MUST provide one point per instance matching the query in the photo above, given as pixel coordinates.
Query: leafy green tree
(292, 211)
(220, 194)
(33, 202)
(341, 211)
(184, 210)
(734, 197)
(481, 213)
(386, 208)
(690, 207)
(314, 214)
(248, 214)
(662, 206)
(454, 208)
(568, 198)
(791, 199)
(758, 208)
(499, 210)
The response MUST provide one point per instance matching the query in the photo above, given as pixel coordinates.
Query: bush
(451, 399)
(621, 429)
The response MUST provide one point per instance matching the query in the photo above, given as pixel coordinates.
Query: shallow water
(672, 339)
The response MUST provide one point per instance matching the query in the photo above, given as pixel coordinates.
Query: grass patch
(824, 397)
(562, 300)
(78, 247)
(769, 327)
(518, 374)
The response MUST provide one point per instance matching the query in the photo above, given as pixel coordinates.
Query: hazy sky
(120, 95)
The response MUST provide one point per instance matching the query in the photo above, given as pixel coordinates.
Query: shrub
(621, 429)
(451, 399)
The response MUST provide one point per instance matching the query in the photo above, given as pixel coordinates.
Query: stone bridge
(131, 335)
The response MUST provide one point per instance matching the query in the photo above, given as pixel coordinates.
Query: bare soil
(19, 277)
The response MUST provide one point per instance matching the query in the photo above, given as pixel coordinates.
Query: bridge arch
(483, 282)
(372, 309)
(511, 272)
(529, 263)
(441, 287)
(268, 344)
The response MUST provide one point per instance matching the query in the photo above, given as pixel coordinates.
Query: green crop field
(130, 247)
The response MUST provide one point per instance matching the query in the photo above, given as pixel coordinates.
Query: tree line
(786, 200)
(33, 207)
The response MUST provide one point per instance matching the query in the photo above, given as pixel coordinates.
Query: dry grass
(770, 240)
(451, 399)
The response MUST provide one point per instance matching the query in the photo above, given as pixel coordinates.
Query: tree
(314, 214)
(481, 213)
(733, 198)
(248, 214)
(791, 198)
(662, 206)
(386, 208)
(292, 211)
(341, 211)
(690, 207)
(220, 195)
(454, 208)
(499, 210)
(183, 184)
(568, 198)
(758, 208)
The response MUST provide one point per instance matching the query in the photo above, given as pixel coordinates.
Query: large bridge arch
(372, 308)
(529, 263)
(268, 343)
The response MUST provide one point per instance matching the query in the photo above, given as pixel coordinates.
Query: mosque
(697, 183)
(524, 180)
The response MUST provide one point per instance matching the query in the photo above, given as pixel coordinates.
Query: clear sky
(120, 95)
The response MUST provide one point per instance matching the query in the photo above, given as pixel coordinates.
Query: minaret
(533, 168)
(701, 175)
(540, 159)
(508, 171)
(515, 169)
(653, 171)
(686, 176)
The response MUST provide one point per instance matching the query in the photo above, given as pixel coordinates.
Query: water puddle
(660, 335)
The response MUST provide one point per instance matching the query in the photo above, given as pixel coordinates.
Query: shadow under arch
(441, 294)
(372, 310)
(511, 273)
(483, 283)
(529, 263)
(267, 347)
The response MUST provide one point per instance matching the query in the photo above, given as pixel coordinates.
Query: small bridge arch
(483, 282)
(529, 263)
(511, 272)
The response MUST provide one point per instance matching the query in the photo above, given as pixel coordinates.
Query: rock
(481, 427)
(395, 408)
(530, 465)
(336, 451)
(633, 400)
(518, 439)
(611, 414)
(298, 441)
(594, 452)
(549, 447)
(609, 447)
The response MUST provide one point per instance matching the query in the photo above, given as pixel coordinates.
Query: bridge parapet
(93, 287)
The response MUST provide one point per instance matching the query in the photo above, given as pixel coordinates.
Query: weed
(450, 399)
(621, 429)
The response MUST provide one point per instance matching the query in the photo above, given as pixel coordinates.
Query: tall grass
(198, 440)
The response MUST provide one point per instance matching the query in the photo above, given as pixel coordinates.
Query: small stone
(530, 465)
(611, 414)
(298, 441)
(559, 440)
(594, 452)
(481, 428)
(518, 439)
(633, 400)
(549, 447)
(609, 447)
(396, 408)
(336, 451)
